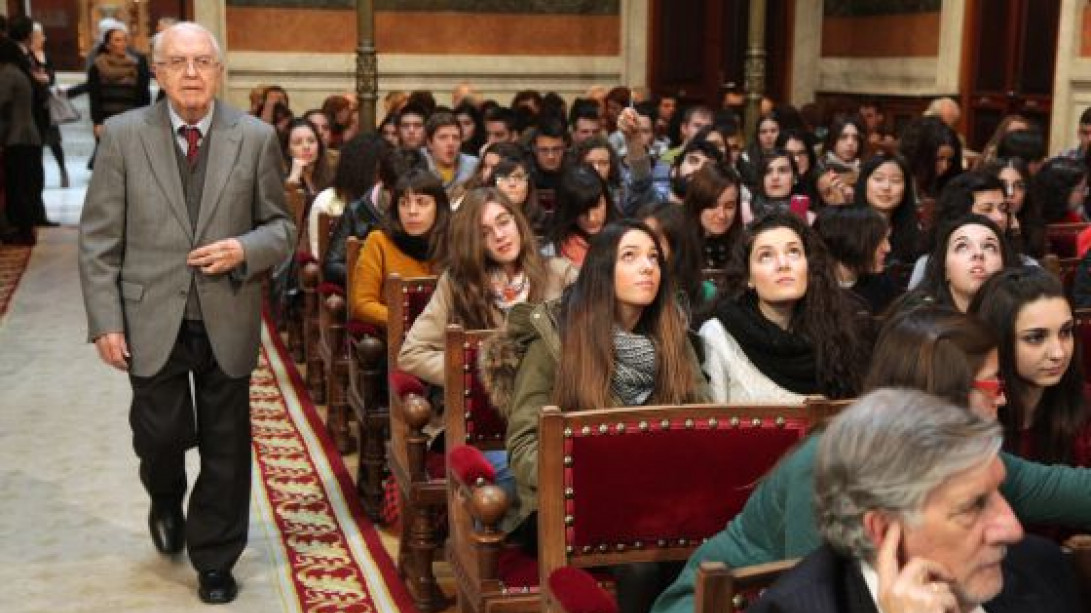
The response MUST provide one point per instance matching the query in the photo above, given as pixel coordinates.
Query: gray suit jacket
(135, 234)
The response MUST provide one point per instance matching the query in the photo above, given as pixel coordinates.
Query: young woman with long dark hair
(583, 208)
(857, 238)
(885, 186)
(712, 205)
(1047, 417)
(782, 329)
(968, 251)
(623, 342)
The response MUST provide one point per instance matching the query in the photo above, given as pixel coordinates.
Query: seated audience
(800, 146)
(884, 186)
(493, 264)
(712, 206)
(356, 174)
(777, 177)
(1026, 230)
(974, 192)
(934, 154)
(411, 241)
(844, 145)
(857, 238)
(512, 178)
(968, 251)
(935, 350)
(365, 213)
(582, 209)
(781, 329)
(1059, 189)
(473, 127)
(443, 140)
(305, 157)
(1047, 417)
(907, 496)
(681, 250)
(623, 343)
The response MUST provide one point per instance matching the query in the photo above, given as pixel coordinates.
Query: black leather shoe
(168, 528)
(216, 586)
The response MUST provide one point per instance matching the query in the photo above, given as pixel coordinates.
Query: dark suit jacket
(1037, 578)
(135, 234)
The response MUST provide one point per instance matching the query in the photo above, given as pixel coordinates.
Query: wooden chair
(310, 277)
(1078, 551)
(421, 491)
(1082, 319)
(720, 589)
(333, 352)
(476, 549)
(1064, 269)
(1061, 238)
(368, 389)
(677, 475)
(651, 484)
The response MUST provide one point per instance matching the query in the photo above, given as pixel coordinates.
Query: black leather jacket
(360, 218)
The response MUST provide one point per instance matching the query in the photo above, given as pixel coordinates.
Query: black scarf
(785, 357)
(416, 247)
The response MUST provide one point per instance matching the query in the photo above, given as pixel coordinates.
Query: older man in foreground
(912, 519)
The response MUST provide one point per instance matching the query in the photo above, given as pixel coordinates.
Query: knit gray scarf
(634, 368)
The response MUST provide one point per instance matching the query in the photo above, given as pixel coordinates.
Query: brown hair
(587, 321)
(469, 265)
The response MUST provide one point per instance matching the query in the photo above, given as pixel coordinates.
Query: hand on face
(921, 586)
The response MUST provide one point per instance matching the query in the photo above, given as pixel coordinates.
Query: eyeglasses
(994, 387)
(202, 63)
(512, 179)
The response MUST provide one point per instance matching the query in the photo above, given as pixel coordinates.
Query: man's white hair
(184, 26)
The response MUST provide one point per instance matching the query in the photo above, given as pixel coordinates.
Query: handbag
(61, 109)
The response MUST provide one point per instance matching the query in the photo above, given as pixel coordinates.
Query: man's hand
(97, 129)
(921, 586)
(113, 349)
(217, 258)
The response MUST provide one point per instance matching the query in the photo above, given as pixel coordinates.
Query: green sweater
(778, 521)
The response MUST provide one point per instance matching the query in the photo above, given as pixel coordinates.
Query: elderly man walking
(184, 213)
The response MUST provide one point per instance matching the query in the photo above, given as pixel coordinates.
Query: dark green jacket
(778, 521)
(531, 333)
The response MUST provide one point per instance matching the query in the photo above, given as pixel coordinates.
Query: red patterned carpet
(13, 262)
(331, 555)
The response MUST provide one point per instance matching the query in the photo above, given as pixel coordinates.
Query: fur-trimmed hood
(499, 357)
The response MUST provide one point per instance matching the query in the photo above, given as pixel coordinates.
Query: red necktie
(193, 136)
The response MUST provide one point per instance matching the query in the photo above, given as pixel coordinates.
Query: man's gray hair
(887, 452)
(189, 26)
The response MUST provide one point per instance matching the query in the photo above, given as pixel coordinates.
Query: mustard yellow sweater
(379, 258)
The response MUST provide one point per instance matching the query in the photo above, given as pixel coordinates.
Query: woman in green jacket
(623, 338)
(933, 349)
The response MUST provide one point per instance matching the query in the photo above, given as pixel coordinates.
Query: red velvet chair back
(1064, 269)
(651, 483)
(1061, 238)
(471, 418)
(926, 213)
(405, 300)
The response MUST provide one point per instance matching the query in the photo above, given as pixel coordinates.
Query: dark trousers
(168, 418)
(24, 180)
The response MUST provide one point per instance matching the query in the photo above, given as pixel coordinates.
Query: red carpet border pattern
(13, 262)
(333, 555)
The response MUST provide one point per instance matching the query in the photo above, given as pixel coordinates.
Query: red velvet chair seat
(519, 571)
(327, 288)
(358, 329)
(610, 506)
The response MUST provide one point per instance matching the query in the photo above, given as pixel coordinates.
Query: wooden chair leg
(337, 423)
(372, 468)
(422, 547)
